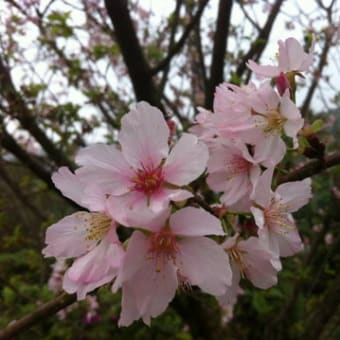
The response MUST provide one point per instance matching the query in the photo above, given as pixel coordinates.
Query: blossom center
(237, 165)
(236, 256)
(148, 179)
(97, 225)
(163, 247)
(277, 215)
(275, 121)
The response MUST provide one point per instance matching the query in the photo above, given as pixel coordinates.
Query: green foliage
(58, 26)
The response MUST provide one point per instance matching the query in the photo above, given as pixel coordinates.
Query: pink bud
(282, 83)
(172, 127)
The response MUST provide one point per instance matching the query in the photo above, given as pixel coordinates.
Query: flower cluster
(142, 184)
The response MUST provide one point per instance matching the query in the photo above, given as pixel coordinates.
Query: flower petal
(263, 70)
(187, 160)
(67, 238)
(262, 193)
(192, 221)
(144, 136)
(295, 194)
(259, 268)
(205, 264)
(69, 184)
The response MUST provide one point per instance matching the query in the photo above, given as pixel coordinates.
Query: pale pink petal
(288, 108)
(235, 188)
(130, 310)
(258, 216)
(160, 199)
(292, 127)
(144, 136)
(102, 156)
(67, 238)
(262, 192)
(95, 198)
(270, 150)
(263, 70)
(100, 262)
(82, 289)
(69, 184)
(217, 181)
(205, 264)
(258, 268)
(94, 269)
(104, 166)
(155, 289)
(230, 296)
(132, 210)
(135, 256)
(230, 241)
(295, 194)
(270, 242)
(291, 55)
(289, 243)
(192, 221)
(187, 160)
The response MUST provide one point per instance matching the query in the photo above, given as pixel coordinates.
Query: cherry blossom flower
(232, 170)
(143, 174)
(272, 213)
(249, 259)
(166, 253)
(274, 115)
(90, 237)
(291, 58)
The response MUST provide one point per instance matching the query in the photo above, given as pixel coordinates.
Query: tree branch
(44, 311)
(13, 185)
(219, 49)
(174, 27)
(132, 52)
(311, 168)
(11, 145)
(257, 47)
(178, 46)
(20, 111)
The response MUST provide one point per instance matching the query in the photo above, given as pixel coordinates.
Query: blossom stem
(14, 328)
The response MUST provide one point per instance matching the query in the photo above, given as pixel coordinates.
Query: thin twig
(44, 311)
(178, 46)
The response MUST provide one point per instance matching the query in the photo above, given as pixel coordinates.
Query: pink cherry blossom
(232, 171)
(272, 213)
(249, 259)
(90, 237)
(171, 251)
(292, 58)
(143, 174)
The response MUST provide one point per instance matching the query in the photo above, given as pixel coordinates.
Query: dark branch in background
(311, 168)
(15, 188)
(201, 63)
(323, 312)
(317, 75)
(174, 26)
(44, 311)
(250, 19)
(323, 58)
(219, 49)
(19, 110)
(258, 46)
(179, 45)
(32, 163)
(132, 52)
(11, 145)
